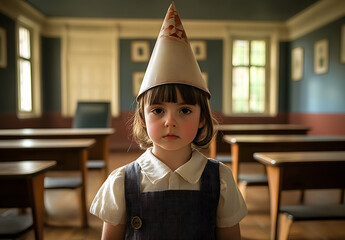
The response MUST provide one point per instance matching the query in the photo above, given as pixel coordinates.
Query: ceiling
(251, 10)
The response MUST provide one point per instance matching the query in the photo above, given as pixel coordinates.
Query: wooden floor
(63, 218)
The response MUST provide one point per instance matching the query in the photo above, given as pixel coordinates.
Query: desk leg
(84, 210)
(235, 161)
(106, 155)
(274, 175)
(37, 198)
(213, 147)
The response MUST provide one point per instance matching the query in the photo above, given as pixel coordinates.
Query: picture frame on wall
(342, 44)
(321, 56)
(140, 51)
(297, 58)
(137, 79)
(199, 49)
(3, 48)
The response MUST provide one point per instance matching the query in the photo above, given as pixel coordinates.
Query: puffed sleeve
(109, 203)
(231, 207)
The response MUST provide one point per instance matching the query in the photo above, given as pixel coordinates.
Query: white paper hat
(172, 59)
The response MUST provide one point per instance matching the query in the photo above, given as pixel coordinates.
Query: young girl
(171, 191)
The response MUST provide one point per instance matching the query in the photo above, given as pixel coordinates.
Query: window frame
(250, 39)
(271, 78)
(35, 68)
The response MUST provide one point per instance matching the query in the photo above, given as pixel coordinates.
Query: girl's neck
(173, 159)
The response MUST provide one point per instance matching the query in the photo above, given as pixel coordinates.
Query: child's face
(172, 126)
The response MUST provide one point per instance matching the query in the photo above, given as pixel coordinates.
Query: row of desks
(68, 148)
(300, 170)
(219, 147)
(242, 149)
(292, 162)
(99, 150)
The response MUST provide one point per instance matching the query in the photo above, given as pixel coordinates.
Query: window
(250, 82)
(248, 76)
(24, 71)
(28, 69)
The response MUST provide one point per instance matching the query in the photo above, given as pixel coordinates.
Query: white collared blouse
(110, 206)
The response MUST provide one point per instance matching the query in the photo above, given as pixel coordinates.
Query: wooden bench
(293, 213)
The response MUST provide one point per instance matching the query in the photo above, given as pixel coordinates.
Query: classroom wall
(8, 74)
(318, 100)
(312, 101)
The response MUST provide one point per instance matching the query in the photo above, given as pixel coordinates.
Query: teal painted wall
(319, 93)
(127, 68)
(8, 84)
(51, 74)
(283, 92)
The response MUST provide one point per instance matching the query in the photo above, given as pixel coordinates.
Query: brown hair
(168, 93)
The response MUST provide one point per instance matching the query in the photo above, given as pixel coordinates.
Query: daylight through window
(24, 70)
(248, 76)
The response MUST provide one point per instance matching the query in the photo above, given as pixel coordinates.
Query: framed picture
(140, 51)
(342, 44)
(199, 49)
(321, 56)
(297, 64)
(3, 50)
(137, 79)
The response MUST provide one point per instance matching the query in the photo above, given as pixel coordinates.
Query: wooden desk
(300, 170)
(70, 155)
(99, 151)
(244, 146)
(218, 146)
(22, 185)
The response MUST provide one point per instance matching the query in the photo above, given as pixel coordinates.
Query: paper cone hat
(172, 60)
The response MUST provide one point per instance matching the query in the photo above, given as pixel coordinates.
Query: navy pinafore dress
(172, 214)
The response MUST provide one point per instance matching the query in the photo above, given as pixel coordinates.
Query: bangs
(168, 93)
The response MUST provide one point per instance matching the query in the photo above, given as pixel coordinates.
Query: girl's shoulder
(120, 172)
(225, 174)
(223, 169)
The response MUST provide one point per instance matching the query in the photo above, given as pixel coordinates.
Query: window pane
(240, 53)
(24, 42)
(249, 76)
(258, 53)
(257, 89)
(25, 86)
(240, 89)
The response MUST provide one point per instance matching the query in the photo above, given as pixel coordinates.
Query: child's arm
(232, 233)
(113, 232)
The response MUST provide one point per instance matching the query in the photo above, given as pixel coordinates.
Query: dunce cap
(172, 60)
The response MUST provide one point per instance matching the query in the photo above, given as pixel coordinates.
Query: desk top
(285, 158)
(45, 143)
(281, 138)
(55, 132)
(24, 168)
(260, 127)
